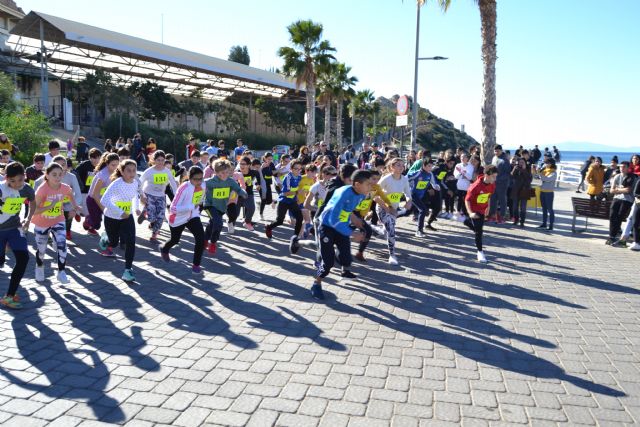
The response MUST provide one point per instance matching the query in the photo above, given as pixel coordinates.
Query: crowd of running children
(328, 204)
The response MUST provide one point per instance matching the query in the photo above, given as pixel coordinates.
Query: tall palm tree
(364, 107)
(326, 88)
(302, 60)
(343, 89)
(488, 20)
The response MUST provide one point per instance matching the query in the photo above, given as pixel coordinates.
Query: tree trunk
(339, 123)
(489, 29)
(327, 122)
(311, 112)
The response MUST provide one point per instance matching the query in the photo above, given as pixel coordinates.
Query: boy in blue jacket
(423, 182)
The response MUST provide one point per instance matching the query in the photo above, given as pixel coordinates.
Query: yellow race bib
(320, 203)
(364, 205)
(125, 206)
(268, 177)
(395, 197)
(55, 211)
(12, 205)
(160, 178)
(89, 180)
(344, 216)
(421, 185)
(248, 181)
(197, 198)
(293, 190)
(221, 193)
(103, 190)
(482, 198)
(441, 175)
(31, 183)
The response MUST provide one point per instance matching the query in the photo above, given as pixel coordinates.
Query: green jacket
(217, 192)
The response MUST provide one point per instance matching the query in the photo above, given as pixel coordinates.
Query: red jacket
(479, 194)
(635, 169)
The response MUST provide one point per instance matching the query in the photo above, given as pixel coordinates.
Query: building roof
(11, 7)
(75, 49)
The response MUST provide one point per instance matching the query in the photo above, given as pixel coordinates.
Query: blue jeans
(546, 198)
(499, 198)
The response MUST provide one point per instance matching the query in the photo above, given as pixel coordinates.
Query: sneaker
(542, 226)
(69, 235)
(481, 257)
(141, 218)
(401, 212)
(128, 276)
(635, 247)
(550, 228)
(578, 191)
(212, 248)
(231, 228)
(294, 247)
(108, 253)
(196, 269)
(347, 274)
(500, 220)
(316, 292)
(85, 225)
(40, 274)
(165, 256)
(261, 217)
(393, 260)
(11, 302)
(492, 219)
(462, 218)
(360, 257)
(609, 241)
(248, 226)
(78, 218)
(154, 239)
(622, 243)
(431, 227)
(379, 230)
(420, 233)
(103, 244)
(521, 225)
(92, 231)
(62, 277)
(268, 232)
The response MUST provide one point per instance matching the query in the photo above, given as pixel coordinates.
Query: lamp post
(414, 121)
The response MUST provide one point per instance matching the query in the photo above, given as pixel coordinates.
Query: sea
(581, 156)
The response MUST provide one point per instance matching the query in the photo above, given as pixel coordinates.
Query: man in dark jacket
(499, 197)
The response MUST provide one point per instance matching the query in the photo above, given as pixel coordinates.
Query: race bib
(55, 211)
(160, 178)
(441, 175)
(268, 177)
(248, 181)
(421, 185)
(125, 206)
(12, 205)
(89, 180)
(173, 172)
(320, 203)
(482, 198)
(197, 198)
(293, 190)
(31, 183)
(395, 197)
(306, 187)
(344, 216)
(103, 190)
(221, 193)
(364, 205)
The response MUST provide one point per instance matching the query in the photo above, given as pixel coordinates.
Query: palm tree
(364, 107)
(343, 89)
(326, 87)
(302, 60)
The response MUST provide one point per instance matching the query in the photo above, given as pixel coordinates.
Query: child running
(217, 192)
(154, 182)
(287, 202)
(104, 170)
(421, 182)
(268, 171)
(250, 176)
(309, 178)
(335, 228)
(119, 224)
(86, 173)
(394, 185)
(13, 194)
(363, 210)
(477, 204)
(49, 219)
(185, 213)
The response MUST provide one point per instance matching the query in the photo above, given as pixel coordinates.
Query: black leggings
(232, 212)
(449, 201)
(22, 259)
(267, 200)
(368, 231)
(461, 206)
(122, 230)
(476, 225)
(294, 210)
(195, 227)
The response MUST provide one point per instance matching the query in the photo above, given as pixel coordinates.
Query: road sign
(402, 106)
(402, 120)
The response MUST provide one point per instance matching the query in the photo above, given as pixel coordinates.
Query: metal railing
(569, 173)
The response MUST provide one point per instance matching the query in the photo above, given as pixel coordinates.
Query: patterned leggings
(155, 211)
(58, 233)
(389, 222)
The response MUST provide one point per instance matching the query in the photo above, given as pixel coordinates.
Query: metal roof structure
(74, 49)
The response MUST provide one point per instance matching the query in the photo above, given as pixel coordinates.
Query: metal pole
(414, 110)
(352, 114)
(44, 78)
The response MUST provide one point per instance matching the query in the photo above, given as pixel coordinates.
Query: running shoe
(154, 239)
(348, 274)
(360, 257)
(40, 274)
(165, 256)
(609, 241)
(393, 260)
(402, 212)
(103, 244)
(231, 228)
(212, 248)
(92, 232)
(431, 227)
(449, 215)
(85, 225)
(11, 302)
(77, 218)
(622, 243)
(635, 247)
(481, 257)
(68, 235)
(462, 218)
(316, 292)
(141, 218)
(128, 276)
(107, 253)
(542, 226)
(248, 226)
(294, 247)
(268, 232)
(196, 269)
(420, 233)
(62, 277)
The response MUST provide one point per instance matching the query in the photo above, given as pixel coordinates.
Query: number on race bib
(55, 211)
(160, 178)
(31, 183)
(248, 181)
(364, 205)
(125, 206)
(482, 198)
(103, 190)
(221, 193)
(441, 175)
(12, 205)
(197, 198)
(395, 197)
(344, 216)
(89, 180)
(421, 185)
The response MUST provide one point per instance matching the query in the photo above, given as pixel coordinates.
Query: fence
(569, 173)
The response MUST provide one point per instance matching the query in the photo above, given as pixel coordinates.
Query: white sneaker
(379, 230)
(481, 257)
(261, 217)
(420, 233)
(635, 247)
(462, 218)
(230, 228)
(39, 274)
(449, 215)
(402, 211)
(393, 260)
(62, 277)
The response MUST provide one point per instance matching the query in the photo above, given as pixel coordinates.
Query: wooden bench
(589, 209)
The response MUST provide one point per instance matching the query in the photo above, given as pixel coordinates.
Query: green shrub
(28, 130)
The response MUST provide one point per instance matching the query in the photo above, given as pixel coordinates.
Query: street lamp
(414, 121)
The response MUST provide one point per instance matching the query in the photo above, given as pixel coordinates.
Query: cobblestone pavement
(547, 333)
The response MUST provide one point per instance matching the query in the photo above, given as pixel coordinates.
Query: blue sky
(567, 70)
